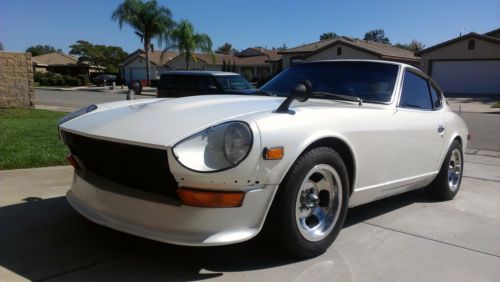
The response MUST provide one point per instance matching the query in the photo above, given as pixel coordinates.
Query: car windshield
(233, 82)
(370, 81)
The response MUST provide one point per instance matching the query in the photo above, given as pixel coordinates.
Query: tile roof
(493, 33)
(55, 59)
(463, 37)
(380, 49)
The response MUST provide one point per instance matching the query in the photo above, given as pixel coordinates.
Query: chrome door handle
(440, 128)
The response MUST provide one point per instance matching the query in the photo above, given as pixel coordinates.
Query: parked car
(104, 79)
(189, 83)
(218, 169)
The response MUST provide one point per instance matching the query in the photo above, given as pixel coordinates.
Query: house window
(339, 51)
(471, 44)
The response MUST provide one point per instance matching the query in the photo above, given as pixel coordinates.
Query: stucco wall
(459, 51)
(16, 80)
(180, 64)
(287, 57)
(139, 64)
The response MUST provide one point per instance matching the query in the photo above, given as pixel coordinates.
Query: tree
(377, 35)
(328, 35)
(37, 50)
(101, 56)
(184, 38)
(282, 48)
(226, 49)
(1, 46)
(148, 19)
(414, 46)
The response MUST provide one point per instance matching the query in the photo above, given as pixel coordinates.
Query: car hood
(164, 122)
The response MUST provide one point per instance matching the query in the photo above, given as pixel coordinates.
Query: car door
(418, 133)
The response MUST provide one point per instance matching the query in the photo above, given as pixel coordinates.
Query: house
(465, 65)
(61, 63)
(253, 63)
(347, 48)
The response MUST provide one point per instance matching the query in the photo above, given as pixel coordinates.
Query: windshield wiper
(264, 93)
(338, 96)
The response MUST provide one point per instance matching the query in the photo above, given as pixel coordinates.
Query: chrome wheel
(318, 204)
(454, 170)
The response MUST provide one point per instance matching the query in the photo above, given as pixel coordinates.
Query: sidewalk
(473, 105)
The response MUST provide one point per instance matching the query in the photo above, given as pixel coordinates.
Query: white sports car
(290, 160)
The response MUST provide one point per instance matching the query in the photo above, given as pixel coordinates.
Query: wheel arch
(345, 152)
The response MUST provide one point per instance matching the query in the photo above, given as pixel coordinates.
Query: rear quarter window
(415, 93)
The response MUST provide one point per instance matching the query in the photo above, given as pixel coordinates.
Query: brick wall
(16, 80)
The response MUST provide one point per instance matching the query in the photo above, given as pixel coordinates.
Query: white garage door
(467, 77)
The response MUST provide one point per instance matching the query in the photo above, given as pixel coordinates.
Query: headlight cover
(76, 114)
(216, 148)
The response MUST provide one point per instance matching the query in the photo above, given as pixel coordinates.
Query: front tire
(447, 183)
(311, 204)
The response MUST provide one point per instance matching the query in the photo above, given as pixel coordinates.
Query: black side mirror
(301, 92)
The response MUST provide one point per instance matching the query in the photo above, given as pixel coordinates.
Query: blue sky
(247, 23)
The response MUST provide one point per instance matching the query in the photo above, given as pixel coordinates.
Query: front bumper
(162, 219)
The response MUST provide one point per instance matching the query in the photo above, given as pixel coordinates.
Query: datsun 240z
(289, 160)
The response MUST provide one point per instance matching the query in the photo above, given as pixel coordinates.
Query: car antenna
(301, 92)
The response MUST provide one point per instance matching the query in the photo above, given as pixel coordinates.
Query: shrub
(44, 81)
(52, 82)
(84, 79)
(60, 81)
(73, 81)
(37, 76)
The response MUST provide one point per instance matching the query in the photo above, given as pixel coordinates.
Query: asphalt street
(76, 99)
(484, 127)
(402, 238)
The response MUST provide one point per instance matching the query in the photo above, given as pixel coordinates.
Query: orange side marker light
(274, 153)
(210, 199)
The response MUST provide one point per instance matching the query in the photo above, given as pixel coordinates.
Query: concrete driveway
(403, 238)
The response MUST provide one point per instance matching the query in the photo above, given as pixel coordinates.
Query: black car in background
(104, 79)
(191, 83)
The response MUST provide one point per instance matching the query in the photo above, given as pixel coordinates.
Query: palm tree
(148, 20)
(187, 41)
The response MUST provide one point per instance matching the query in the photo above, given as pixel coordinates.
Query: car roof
(215, 73)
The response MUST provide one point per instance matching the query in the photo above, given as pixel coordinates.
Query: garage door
(138, 74)
(467, 77)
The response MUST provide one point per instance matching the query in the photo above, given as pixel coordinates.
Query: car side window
(415, 92)
(436, 97)
(208, 83)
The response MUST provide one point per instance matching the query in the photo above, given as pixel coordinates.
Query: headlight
(76, 114)
(216, 148)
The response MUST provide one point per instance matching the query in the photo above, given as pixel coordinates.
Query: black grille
(132, 166)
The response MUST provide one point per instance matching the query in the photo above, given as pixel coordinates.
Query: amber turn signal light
(210, 199)
(72, 161)
(274, 153)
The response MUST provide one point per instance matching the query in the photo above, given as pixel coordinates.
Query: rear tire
(311, 204)
(447, 183)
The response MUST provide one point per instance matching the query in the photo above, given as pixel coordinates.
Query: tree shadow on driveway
(47, 239)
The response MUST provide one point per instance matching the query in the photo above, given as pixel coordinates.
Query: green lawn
(28, 138)
(496, 105)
